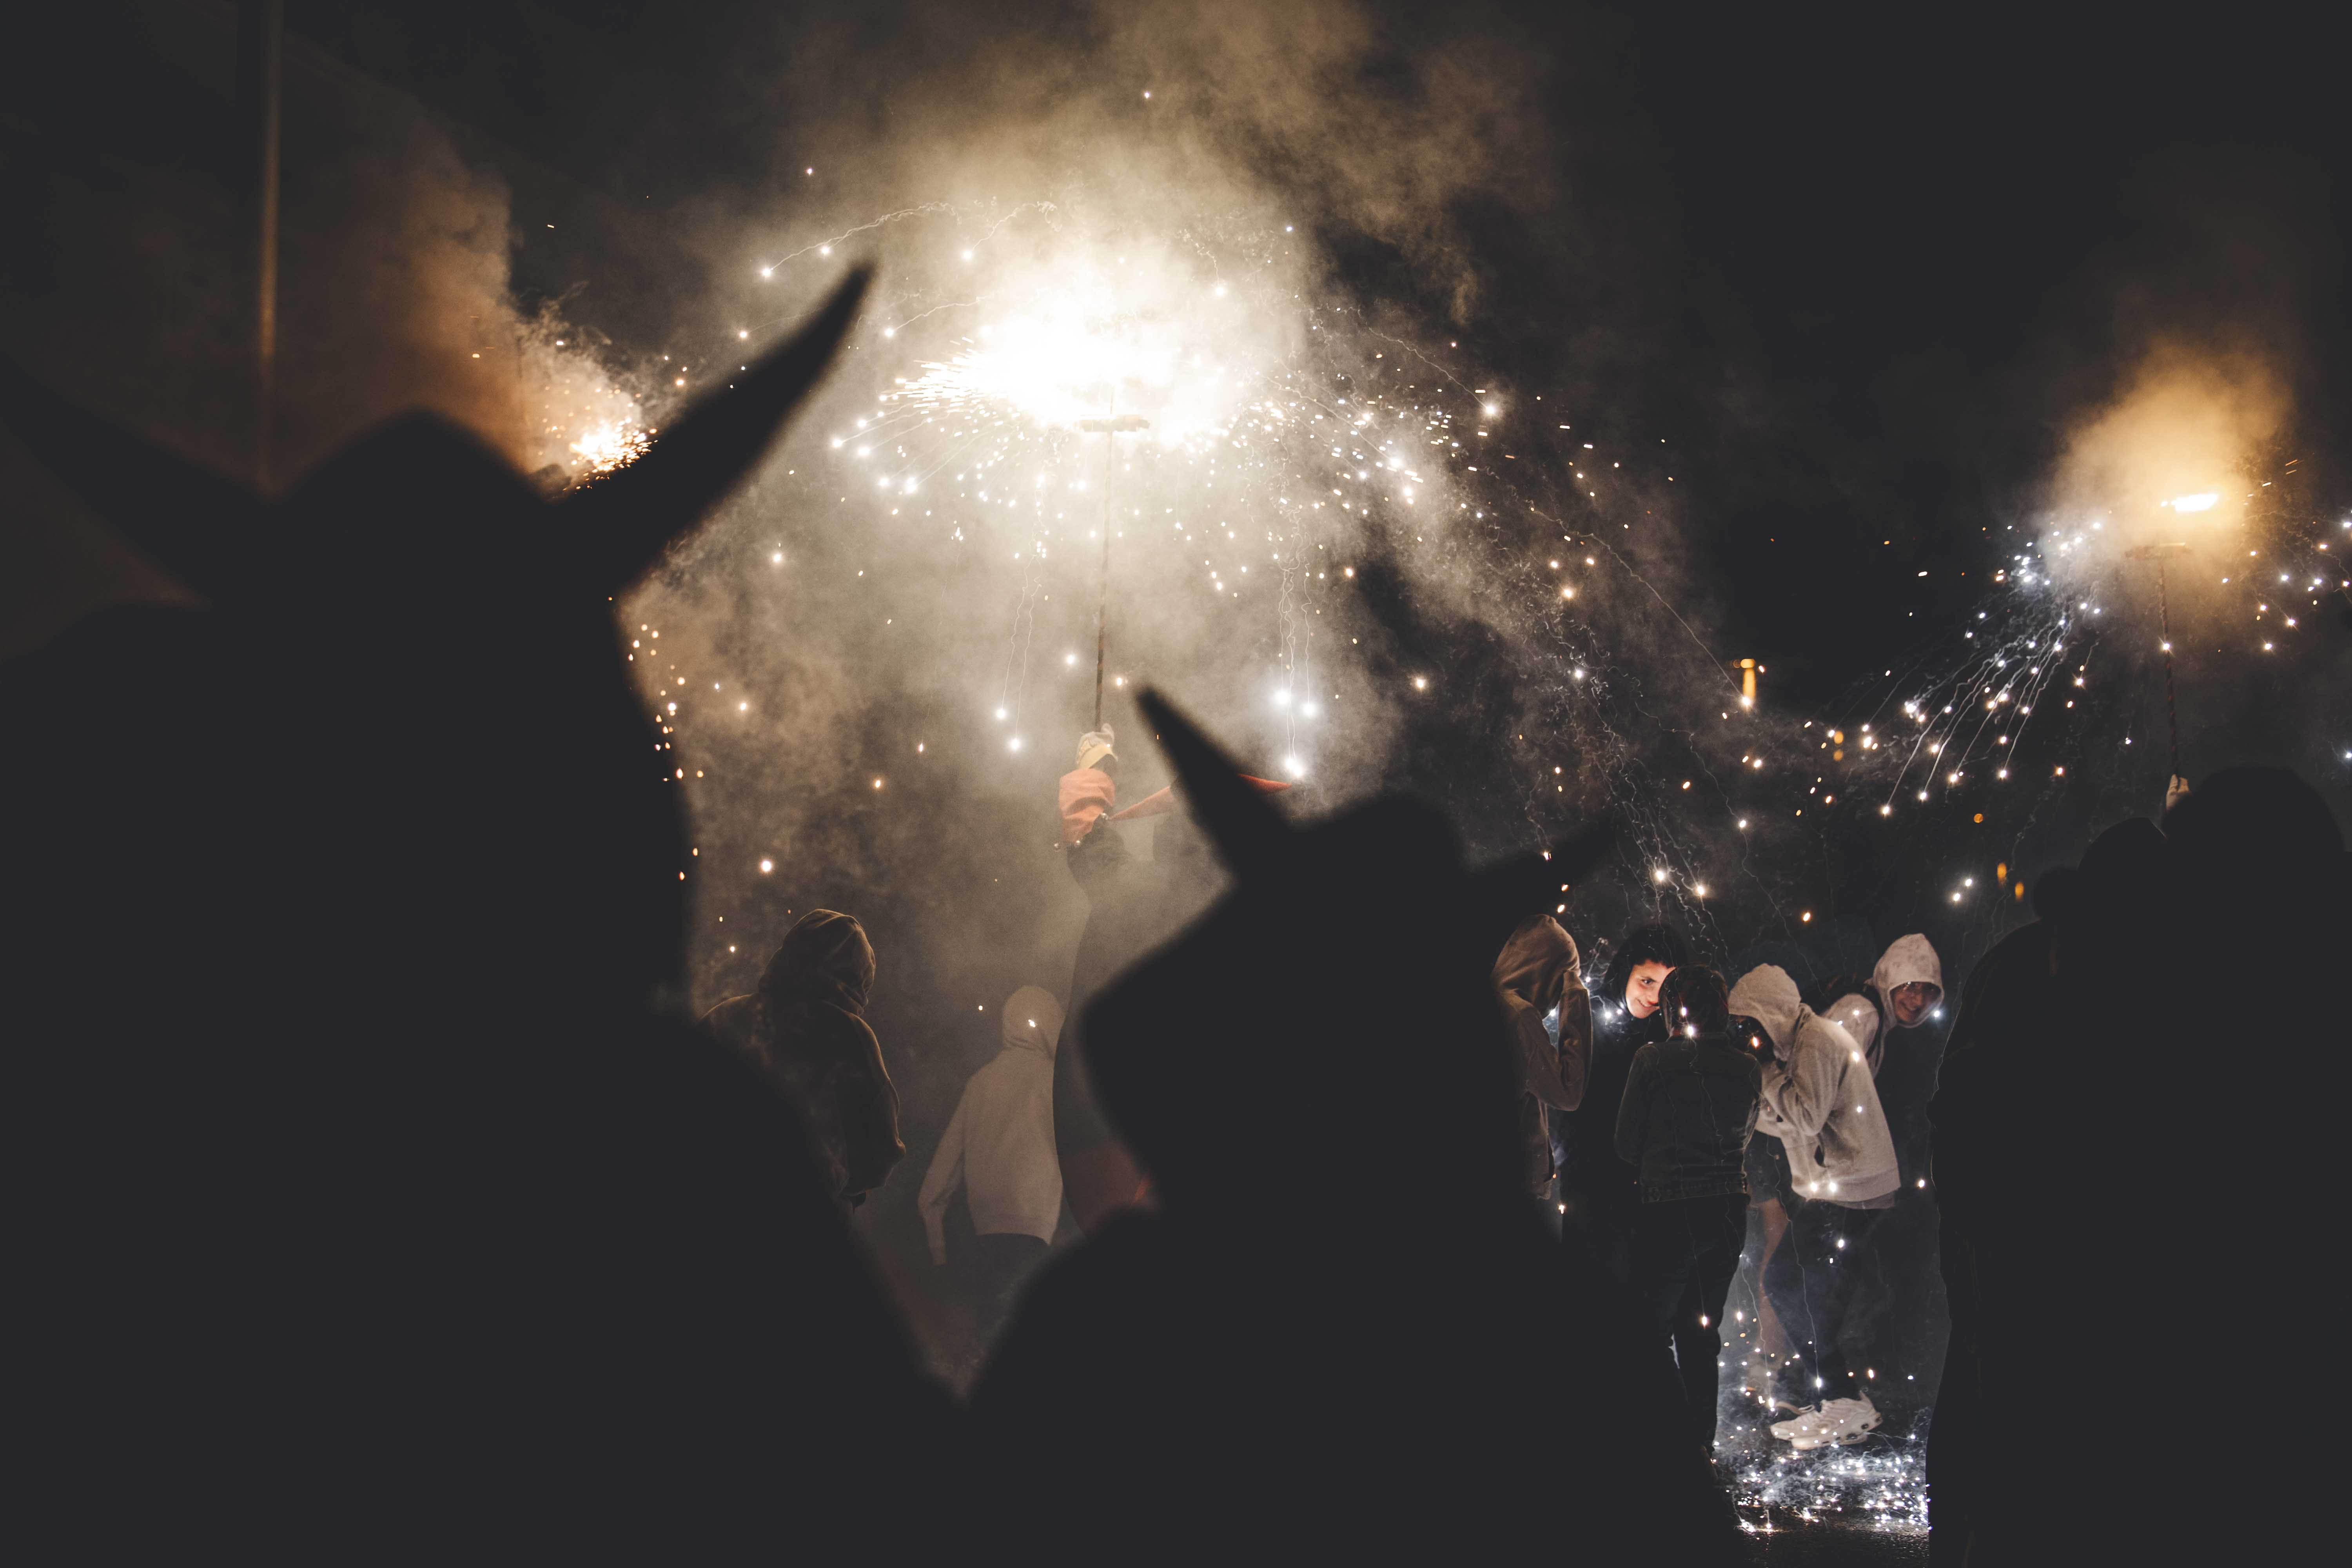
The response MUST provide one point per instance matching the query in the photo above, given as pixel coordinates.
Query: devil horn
(625, 523)
(204, 529)
(1248, 831)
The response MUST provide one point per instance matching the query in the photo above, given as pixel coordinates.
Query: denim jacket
(1689, 1112)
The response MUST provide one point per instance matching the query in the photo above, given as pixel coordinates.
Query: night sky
(1858, 269)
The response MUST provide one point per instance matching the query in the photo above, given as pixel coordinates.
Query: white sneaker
(1834, 1421)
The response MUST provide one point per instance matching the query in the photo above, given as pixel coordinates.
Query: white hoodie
(1907, 959)
(1818, 1098)
(1000, 1144)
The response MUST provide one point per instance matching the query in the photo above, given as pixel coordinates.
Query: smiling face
(1642, 988)
(1911, 1002)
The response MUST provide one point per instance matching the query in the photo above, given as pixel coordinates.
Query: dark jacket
(805, 1025)
(1585, 1141)
(1688, 1111)
(1535, 973)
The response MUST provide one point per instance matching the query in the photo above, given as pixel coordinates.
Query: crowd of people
(1677, 1130)
(373, 1197)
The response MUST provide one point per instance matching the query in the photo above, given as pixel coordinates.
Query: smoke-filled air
(1447, 783)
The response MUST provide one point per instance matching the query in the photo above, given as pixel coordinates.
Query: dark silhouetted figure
(1684, 1124)
(1133, 904)
(1346, 1334)
(806, 1027)
(2173, 974)
(1599, 1193)
(376, 1200)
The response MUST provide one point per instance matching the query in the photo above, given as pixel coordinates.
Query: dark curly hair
(1642, 944)
(1696, 999)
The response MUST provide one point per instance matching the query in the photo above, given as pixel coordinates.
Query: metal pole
(260, 32)
(2159, 554)
(1102, 609)
(1111, 430)
(2171, 713)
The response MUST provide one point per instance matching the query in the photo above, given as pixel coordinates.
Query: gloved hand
(2176, 792)
(1095, 749)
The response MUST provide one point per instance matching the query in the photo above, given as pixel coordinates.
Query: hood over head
(824, 958)
(1534, 965)
(1767, 995)
(1908, 959)
(1033, 1021)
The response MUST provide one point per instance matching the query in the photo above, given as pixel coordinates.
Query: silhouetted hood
(1032, 1022)
(1908, 959)
(824, 958)
(1534, 965)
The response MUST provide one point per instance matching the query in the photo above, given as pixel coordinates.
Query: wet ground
(1862, 1502)
(1826, 1546)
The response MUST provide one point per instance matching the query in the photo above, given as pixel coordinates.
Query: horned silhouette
(1366, 927)
(370, 1178)
(427, 646)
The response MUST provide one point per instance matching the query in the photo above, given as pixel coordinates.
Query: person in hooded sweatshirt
(999, 1147)
(1818, 1101)
(1903, 993)
(1689, 1109)
(1535, 973)
(1888, 1016)
(1598, 1194)
(806, 1026)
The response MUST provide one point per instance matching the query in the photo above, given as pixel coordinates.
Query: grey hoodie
(1908, 958)
(1818, 1098)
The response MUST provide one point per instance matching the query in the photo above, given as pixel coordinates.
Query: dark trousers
(1828, 1240)
(1600, 1211)
(1685, 1252)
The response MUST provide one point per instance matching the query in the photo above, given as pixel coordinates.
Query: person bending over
(1684, 1124)
(1818, 1100)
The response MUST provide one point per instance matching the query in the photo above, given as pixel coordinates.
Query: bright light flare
(2203, 502)
(604, 447)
